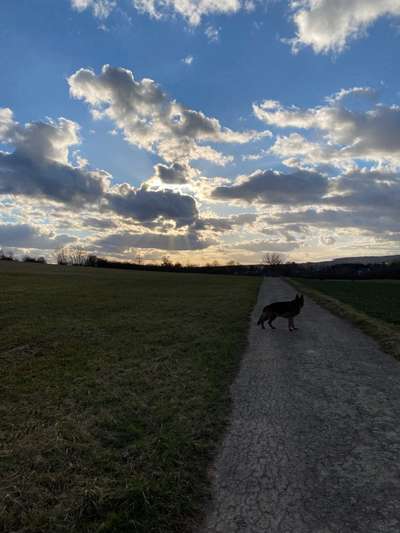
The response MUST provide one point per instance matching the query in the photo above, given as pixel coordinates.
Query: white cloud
(298, 152)
(324, 25)
(188, 60)
(367, 92)
(100, 8)
(191, 10)
(347, 134)
(7, 124)
(151, 120)
(329, 25)
(212, 33)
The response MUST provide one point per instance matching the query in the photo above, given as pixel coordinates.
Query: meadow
(379, 299)
(114, 394)
(372, 305)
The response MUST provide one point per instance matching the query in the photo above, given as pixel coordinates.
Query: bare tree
(62, 256)
(72, 255)
(166, 262)
(6, 256)
(272, 259)
(78, 256)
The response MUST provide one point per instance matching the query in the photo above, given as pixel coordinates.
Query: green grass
(378, 299)
(372, 305)
(114, 394)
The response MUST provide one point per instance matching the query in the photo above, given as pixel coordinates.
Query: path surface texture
(314, 440)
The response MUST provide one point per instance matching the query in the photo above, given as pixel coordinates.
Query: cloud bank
(39, 167)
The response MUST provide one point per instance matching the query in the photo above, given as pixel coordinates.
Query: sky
(200, 130)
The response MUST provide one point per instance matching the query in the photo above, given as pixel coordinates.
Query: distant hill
(369, 259)
(373, 259)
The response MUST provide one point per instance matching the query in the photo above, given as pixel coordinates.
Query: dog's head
(300, 299)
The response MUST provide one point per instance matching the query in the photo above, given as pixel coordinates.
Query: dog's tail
(261, 319)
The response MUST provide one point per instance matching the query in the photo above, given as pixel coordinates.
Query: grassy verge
(371, 305)
(114, 393)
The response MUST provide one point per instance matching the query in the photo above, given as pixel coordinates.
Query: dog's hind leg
(261, 320)
(270, 322)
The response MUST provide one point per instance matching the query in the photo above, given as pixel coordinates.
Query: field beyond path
(114, 392)
(314, 440)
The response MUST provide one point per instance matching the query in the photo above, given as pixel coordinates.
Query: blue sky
(311, 184)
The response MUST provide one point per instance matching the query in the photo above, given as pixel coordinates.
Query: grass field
(114, 393)
(378, 299)
(374, 306)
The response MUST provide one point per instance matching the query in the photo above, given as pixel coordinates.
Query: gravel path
(314, 440)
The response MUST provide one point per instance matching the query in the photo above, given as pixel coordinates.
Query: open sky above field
(202, 129)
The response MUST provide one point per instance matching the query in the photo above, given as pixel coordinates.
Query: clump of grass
(115, 391)
(361, 302)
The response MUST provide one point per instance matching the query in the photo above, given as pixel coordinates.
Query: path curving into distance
(314, 440)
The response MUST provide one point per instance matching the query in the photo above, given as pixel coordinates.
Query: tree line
(271, 264)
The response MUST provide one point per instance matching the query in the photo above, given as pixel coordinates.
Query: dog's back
(284, 309)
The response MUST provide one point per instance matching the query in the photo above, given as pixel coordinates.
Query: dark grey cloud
(368, 201)
(225, 223)
(27, 236)
(270, 187)
(377, 190)
(101, 223)
(146, 205)
(365, 219)
(175, 173)
(120, 242)
(39, 167)
(44, 178)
